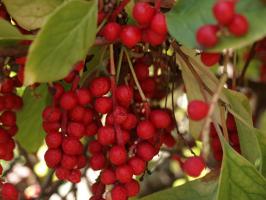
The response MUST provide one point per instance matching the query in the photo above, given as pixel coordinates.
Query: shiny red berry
(124, 173)
(68, 100)
(111, 31)
(207, 35)
(145, 130)
(97, 161)
(118, 155)
(54, 140)
(108, 176)
(132, 188)
(130, 36)
(51, 114)
(224, 11)
(103, 105)
(193, 166)
(197, 110)
(53, 157)
(100, 86)
(124, 95)
(160, 118)
(106, 135)
(138, 165)
(210, 59)
(146, 151)
(143, 13)
(158, 24)
(239, 25)
(9, 192)
(119, 193)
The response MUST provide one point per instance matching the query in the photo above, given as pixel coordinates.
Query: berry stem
(119, 9)
(158, 5)
(119, 64)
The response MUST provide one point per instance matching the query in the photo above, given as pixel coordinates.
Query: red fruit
(119, 115)
(130, 122)
(125, 136)
(91, 129)
(138, 165)
(98, 188)
(145, 130)
(207, 35)
(111, 31)
(168, 140)
(68, 100)
(118, 155)
(82, 161)
(230, 123)
(148, 86)
(62, 173)
(88, 116)
(142, 71)
(210, 59)
(59, 90)
(54, 140)
(100, 86)
(1, 169)
(132, 188)
(52, 157)
(124, 95)
(130, 36)
(8, 118)
(95, 147)
(193, 166)
(224, 11)
(51, 114)
(124, 173)
(4, 137)
(143, 13)
(74, 176)
(197, 110)
(70, 77)
(51, 126)
(158, 24)
(97, 161)
(84, 96)
(119, 193)
(76, 129)
(7, 85)
(239, 25)
(108, 177)
(9, 192)
(154, 38)
(216, 144)
(69, 162)
(234, 139)
(77, 114)
(79, 66)
(160, 118)
(72, 146)
(106, 135)
(109, 119)
(103, 105)
(145, 151)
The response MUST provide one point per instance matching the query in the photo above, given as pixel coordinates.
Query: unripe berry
(111, 31)
(160, 118)
(8, 118)
(143, 13)
(145, 151)
(132, 188)
(100, 86)
(95, 147)
(69, 162)
(62, 173)
(239, 25)
(145, 130)
(210, 59)
(76, 129)
(72, 146)
(197, 110)
(84, 96)
(9, 192)
(118, 155)
(91, 129)
(97, 161)
(124, 173)
(103, 105)
(130, 36)
(53, 140)
(130, 122)
(51, 114)
(77, 114)
(207, 35)
(158, 24)
(68, 100)
(52, 157)
(193, 166)
(106, 135)
(124, 95)
(224, 11)
(74, 176)
(138, 165)
(119, 193)
(108, 177)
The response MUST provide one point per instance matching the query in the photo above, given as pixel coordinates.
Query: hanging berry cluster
(228, 20)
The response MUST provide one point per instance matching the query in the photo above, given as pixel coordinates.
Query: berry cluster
(66, 122)
(226, 16)
(151, 27)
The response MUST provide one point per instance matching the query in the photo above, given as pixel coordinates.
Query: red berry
(68, 100)
(54, 140)
(1, 169)
(59, 90)
(4, 137)
(88, 116)
(210, 59)
(234, 139)
(230, 123)
(95, 147)
(111, 31)
(74, 176)
(148, 86)
(130, 36)
(130, 122)
(158, 24)
(8, 118)
(168, 140)
(193, 166)
(9, 192)
(138, 165)
(106, 135)
(145, 130)
(98, 188)
(84, 96)
(224, 11)
(124, 173)
(82, 161)
(52, 157)
(70, 77)
(154, 38)
(142, 71)
(97, 161)
(143, 13)
(77, 113)
(69, 162)
(76, 129)
(207, 35)
(51, 126)
(72, 146)
(91, 129)
(160, 118)
(118, 155)
(119, 193)
(51, 114)
(119, 115)
(145, 151)
(7, 85)
(197, 110)
(132, 188)
(103, 105)
(108, 177)
(239, 25)
(62, 173)
(124, 95)
(100, 86)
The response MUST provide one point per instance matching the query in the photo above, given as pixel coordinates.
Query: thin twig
(223, 121)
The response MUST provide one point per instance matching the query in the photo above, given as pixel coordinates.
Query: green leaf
(247, 134)
(239, 179)
(188, 15)
(200, 189)
(29, 119)
(64, 40)
(262, 142)
(31, 14)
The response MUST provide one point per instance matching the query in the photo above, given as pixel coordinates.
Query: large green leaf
(29, 119)
(200, 189)
(262, 142)
(64, 40)
(31, 14)
(247, 134)
(239, 179)
(188, 15)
